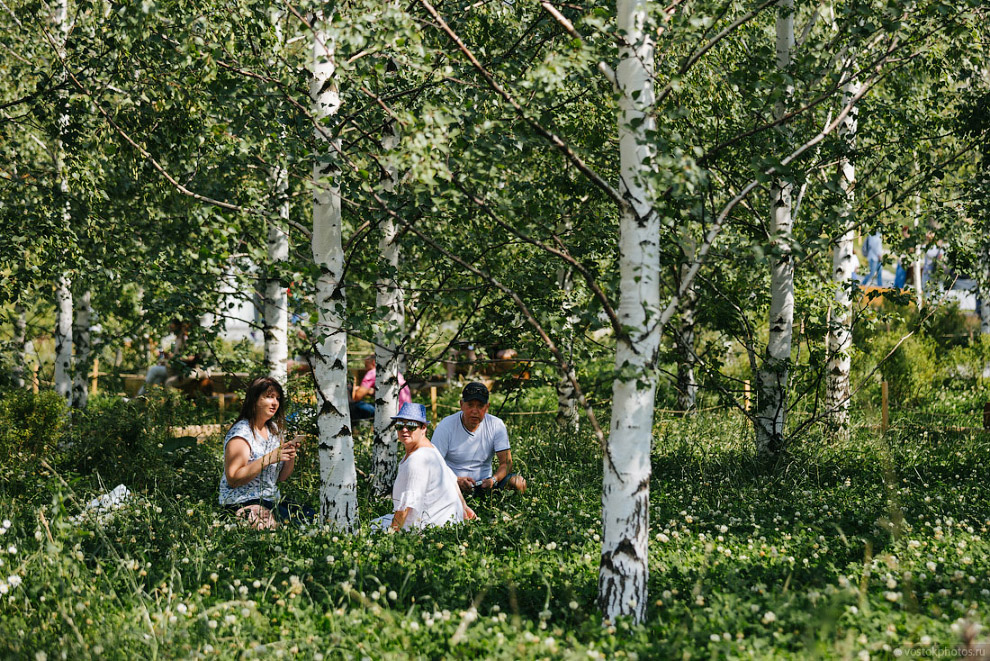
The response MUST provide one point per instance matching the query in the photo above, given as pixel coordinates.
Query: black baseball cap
(475, 391)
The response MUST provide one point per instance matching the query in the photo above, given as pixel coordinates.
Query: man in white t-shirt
(470, 439)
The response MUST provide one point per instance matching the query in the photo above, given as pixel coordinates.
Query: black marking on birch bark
(624, 548)
(327, 408)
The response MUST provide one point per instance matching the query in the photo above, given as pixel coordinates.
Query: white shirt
(427, 486)
(470, 454)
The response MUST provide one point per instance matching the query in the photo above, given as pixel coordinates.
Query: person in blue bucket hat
(425, 492)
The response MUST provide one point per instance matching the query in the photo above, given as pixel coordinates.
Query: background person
(367, 387)
(470, 439)
(256, 457)
(873, 252)
(425, 492)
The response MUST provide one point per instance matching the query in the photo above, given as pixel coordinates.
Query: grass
(875, 547)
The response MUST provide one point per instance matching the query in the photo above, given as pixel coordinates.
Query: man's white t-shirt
(470, 454)
(427, 485)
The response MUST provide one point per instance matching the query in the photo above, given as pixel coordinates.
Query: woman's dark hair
(255, 390)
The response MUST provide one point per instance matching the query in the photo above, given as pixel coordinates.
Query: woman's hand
(469, 514)
(286, 451)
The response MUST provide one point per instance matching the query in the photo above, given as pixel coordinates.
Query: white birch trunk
(338, 477)
(687, 386)
(63, 292)
(843, 265)
(771, 381)
(63, 338)
(568, 415)
(916, 272)
(623, 572)
(276, 312)
(20, 345)
(391, 319)
(83, 347)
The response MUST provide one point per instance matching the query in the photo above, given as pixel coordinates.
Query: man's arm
(504, 466)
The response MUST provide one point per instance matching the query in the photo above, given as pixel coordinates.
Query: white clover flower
(573, 605)
(769, 617)
(4, 588)
(715, 638)
(181, 609)
(926, 640)
(662, 538)
(14, 580)
(12, 550)
(230, 619)
(6, 523)
(392, 595)
(892, 596)
(212, 624)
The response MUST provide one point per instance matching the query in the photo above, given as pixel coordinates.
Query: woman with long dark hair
(256, 457)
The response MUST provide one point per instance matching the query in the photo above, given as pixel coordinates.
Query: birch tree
(63, 290)
(771, 379)
(338, 477)
(20, 344)
(843, 266)
(684, 344)
(83, 348)
(568, 415)
(276, 312)
(390, 323)
(624, 572)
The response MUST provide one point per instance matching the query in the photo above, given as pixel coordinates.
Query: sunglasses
(411, 426)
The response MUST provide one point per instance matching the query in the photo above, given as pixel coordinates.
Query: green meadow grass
(875, 547)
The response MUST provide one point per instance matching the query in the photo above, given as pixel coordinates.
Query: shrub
(948, 326)
(31, 426)
(129, 442)
(910, 371)
(969, 361)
